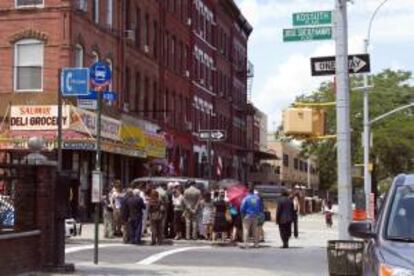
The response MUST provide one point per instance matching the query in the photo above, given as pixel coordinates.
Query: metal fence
(17, 198)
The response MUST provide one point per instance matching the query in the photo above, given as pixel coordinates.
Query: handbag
(227, 214)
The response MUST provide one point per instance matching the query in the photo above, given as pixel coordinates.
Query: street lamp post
(366, 123)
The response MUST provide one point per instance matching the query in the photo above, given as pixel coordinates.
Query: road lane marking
(91, 246)
(156, 257)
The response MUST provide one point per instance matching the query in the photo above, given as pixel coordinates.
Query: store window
(28, 65)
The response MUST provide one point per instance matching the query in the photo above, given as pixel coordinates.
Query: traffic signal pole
(343, 120)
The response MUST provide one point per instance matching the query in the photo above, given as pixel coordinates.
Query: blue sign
(100, 73)
(110, 96)
(74, 81)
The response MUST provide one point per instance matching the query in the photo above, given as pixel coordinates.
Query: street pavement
(307, 255)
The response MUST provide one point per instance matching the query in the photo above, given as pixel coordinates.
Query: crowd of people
(187, 212)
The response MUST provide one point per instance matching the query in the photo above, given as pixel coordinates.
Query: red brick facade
(179, 64)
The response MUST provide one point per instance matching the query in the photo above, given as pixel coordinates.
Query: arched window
(78, 55)
(95, 57)
(28, 65)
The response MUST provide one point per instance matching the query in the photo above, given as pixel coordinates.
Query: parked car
(389, 247)
(156, 181)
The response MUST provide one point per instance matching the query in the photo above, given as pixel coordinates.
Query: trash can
(345, 258)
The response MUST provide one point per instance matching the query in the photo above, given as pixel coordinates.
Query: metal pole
(367, 174)
(59, 132)
(343, 120)
(309, 173)
(97, 168)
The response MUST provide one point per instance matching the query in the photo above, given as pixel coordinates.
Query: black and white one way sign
(322, 66)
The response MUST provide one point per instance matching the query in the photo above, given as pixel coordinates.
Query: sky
(282, 70)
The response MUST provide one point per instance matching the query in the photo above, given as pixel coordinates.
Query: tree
(392, 151)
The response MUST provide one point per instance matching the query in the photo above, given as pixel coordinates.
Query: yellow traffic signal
(304, 121)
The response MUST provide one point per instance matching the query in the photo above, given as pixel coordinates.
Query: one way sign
(214, 135)
(322, 66)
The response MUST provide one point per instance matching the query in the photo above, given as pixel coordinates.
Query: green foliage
(393, 147)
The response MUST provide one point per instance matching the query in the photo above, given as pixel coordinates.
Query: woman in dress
(220, 225)
(207, 214)
(155, 215)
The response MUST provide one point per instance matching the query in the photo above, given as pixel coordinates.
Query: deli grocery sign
(44, 117)
(37, 117)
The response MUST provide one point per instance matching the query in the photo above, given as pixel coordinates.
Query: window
(146, 30)
(112, 71)
(29, 3)
(109, 12)
(127, 87)
(285, 160)
(78, 55)
(95, 11)
(166, 49)
(172, 58)
(138, 28)
(138, 90)
(155, 42)
(28, 72)
(95, 57)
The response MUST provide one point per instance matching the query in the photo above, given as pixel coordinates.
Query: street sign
(107, 95)
(214, 135)
(74, 81)
(88, 104)
(322, 66)
(312, 18)
(75, 145)
(305, 34)
(100, 73)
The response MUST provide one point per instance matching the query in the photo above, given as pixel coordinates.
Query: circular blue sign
(100, 73)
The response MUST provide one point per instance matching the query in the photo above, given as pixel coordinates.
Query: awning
(72, 140)
(155, 145)
(263, 155)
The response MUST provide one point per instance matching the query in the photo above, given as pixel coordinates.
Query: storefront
(126, 147)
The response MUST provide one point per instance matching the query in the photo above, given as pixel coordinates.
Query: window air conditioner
(189, 21)
(82, 5)
(187, 73)
(130, 35)
(188, 125)
(146, 49)
(125, 107)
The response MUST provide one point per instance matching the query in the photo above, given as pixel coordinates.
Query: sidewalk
(312, 233)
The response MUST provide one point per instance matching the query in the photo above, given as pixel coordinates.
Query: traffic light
(304, 121)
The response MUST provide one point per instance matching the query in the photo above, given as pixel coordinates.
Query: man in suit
(284, 217)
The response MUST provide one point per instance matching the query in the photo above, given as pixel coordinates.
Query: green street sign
(312, 18)
(304, 34)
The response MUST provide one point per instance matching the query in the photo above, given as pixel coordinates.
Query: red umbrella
(236, 194)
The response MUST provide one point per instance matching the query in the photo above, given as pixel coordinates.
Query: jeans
(135, 229)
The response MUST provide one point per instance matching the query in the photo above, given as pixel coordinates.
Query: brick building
(179, 66)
